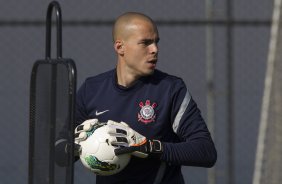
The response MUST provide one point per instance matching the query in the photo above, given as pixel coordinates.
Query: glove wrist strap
(155, 146)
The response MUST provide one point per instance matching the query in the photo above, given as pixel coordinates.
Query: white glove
(83, 131)
(131, 141)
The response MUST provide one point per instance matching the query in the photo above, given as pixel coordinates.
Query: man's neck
(125, 78)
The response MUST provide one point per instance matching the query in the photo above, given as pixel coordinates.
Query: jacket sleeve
(61, 144)
(195, 147)
(80, 109)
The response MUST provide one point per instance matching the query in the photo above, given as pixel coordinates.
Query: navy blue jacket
(159, 107)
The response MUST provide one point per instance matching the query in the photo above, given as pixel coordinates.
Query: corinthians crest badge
(147, 112)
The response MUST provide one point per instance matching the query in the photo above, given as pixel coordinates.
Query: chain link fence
(239, 45)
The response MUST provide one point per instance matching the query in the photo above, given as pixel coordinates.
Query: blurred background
(218, 47)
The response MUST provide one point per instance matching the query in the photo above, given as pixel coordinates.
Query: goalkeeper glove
(83, 131)
(130, 141)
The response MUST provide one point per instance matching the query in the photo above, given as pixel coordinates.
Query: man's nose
(154, 48)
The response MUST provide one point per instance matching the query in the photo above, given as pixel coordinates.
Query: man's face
(141, 49)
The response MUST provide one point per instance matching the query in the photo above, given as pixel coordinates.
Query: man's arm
(62, 145)
(196, 147)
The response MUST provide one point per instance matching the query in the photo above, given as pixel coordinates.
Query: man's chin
(150, 72)
(147, 72)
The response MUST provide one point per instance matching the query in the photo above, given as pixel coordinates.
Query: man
(149, 111)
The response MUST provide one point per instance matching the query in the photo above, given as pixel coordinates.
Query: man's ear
(119, 47)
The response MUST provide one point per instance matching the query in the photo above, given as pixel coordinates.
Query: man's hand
(83, 131)
(131, 141)
(86, 129)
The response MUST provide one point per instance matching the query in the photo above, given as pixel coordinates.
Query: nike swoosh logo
(99, 113)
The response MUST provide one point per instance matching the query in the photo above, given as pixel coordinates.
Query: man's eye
(146, 42)
(157, 40)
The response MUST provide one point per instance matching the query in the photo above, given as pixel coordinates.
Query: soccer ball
(98, 155)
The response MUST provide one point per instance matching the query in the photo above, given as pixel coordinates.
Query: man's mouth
(152, 63)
